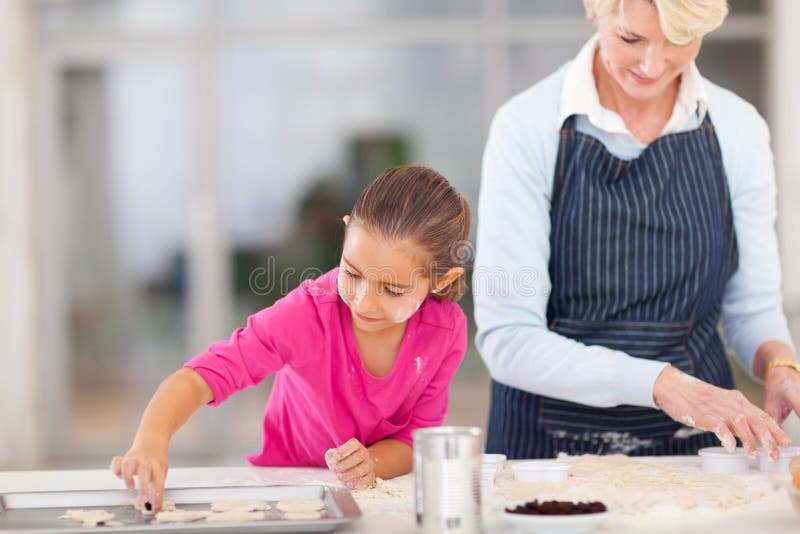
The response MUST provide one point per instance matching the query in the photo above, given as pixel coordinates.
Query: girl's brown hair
(417, 203)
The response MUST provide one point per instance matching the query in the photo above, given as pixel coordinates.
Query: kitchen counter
(394, 514)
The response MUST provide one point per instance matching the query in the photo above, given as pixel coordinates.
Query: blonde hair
(681, 20)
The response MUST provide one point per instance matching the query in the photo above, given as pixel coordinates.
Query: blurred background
(168, 167)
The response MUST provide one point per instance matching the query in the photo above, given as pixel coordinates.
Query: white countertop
(389, 516)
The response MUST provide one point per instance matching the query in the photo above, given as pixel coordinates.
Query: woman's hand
(147, 461)
(352, 464)
(726, 413)
(781, 384)
(781, 392)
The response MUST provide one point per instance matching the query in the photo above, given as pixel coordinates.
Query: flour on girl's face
(361, 291)
(404, 313)
(381, 279)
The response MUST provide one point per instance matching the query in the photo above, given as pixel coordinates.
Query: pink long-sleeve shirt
(323, 395)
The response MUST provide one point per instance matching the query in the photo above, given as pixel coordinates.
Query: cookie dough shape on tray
(301, 505)
(239, 506)
(89, 518)
(181, 516)
(299, 515)
(233, 516)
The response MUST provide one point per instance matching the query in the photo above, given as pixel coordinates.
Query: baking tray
(39, 512)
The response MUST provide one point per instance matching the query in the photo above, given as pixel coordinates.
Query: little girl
(363, 355)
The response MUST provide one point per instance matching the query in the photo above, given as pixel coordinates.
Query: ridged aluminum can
(447, 473)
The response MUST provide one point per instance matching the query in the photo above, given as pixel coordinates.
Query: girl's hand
(726, 413)
(147, 460)
(352, 464)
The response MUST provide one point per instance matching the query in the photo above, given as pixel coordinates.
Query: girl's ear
(448, 278)
(346, 220)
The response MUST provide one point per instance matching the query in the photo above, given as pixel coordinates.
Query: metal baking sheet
(39, 512)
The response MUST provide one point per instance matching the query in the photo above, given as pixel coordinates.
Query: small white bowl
(794, 495)
(540, 471)
(495, 459)
(718, 460)
(782, 465)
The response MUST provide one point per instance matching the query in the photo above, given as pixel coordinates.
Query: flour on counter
(636, 487)
(397, 488)
(390, 500)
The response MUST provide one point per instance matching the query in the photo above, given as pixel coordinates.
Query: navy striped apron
(641, 251)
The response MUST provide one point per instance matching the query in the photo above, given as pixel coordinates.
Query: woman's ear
(346, 220)
(588, 5)
(448, 278)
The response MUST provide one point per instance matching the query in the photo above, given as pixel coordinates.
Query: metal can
(447, 467)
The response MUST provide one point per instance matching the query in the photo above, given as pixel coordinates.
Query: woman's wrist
(662, 383)
(770, 352)
(786, 364)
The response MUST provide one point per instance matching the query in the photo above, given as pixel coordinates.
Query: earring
(435, 291)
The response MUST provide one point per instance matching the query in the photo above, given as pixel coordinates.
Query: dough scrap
(233, 516)
(89, 518)
(301, 505)
(299, 515)
(181, 516)
(239, 506)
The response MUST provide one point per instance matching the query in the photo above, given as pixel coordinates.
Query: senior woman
(627, 205)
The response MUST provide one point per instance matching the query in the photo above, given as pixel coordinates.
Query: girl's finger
(351, 461)
(356, 472)
(144, 483)
(116, 466)
(331, 458)
(158, 480)
(349, 447)
(129, 468)
(365, 482)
